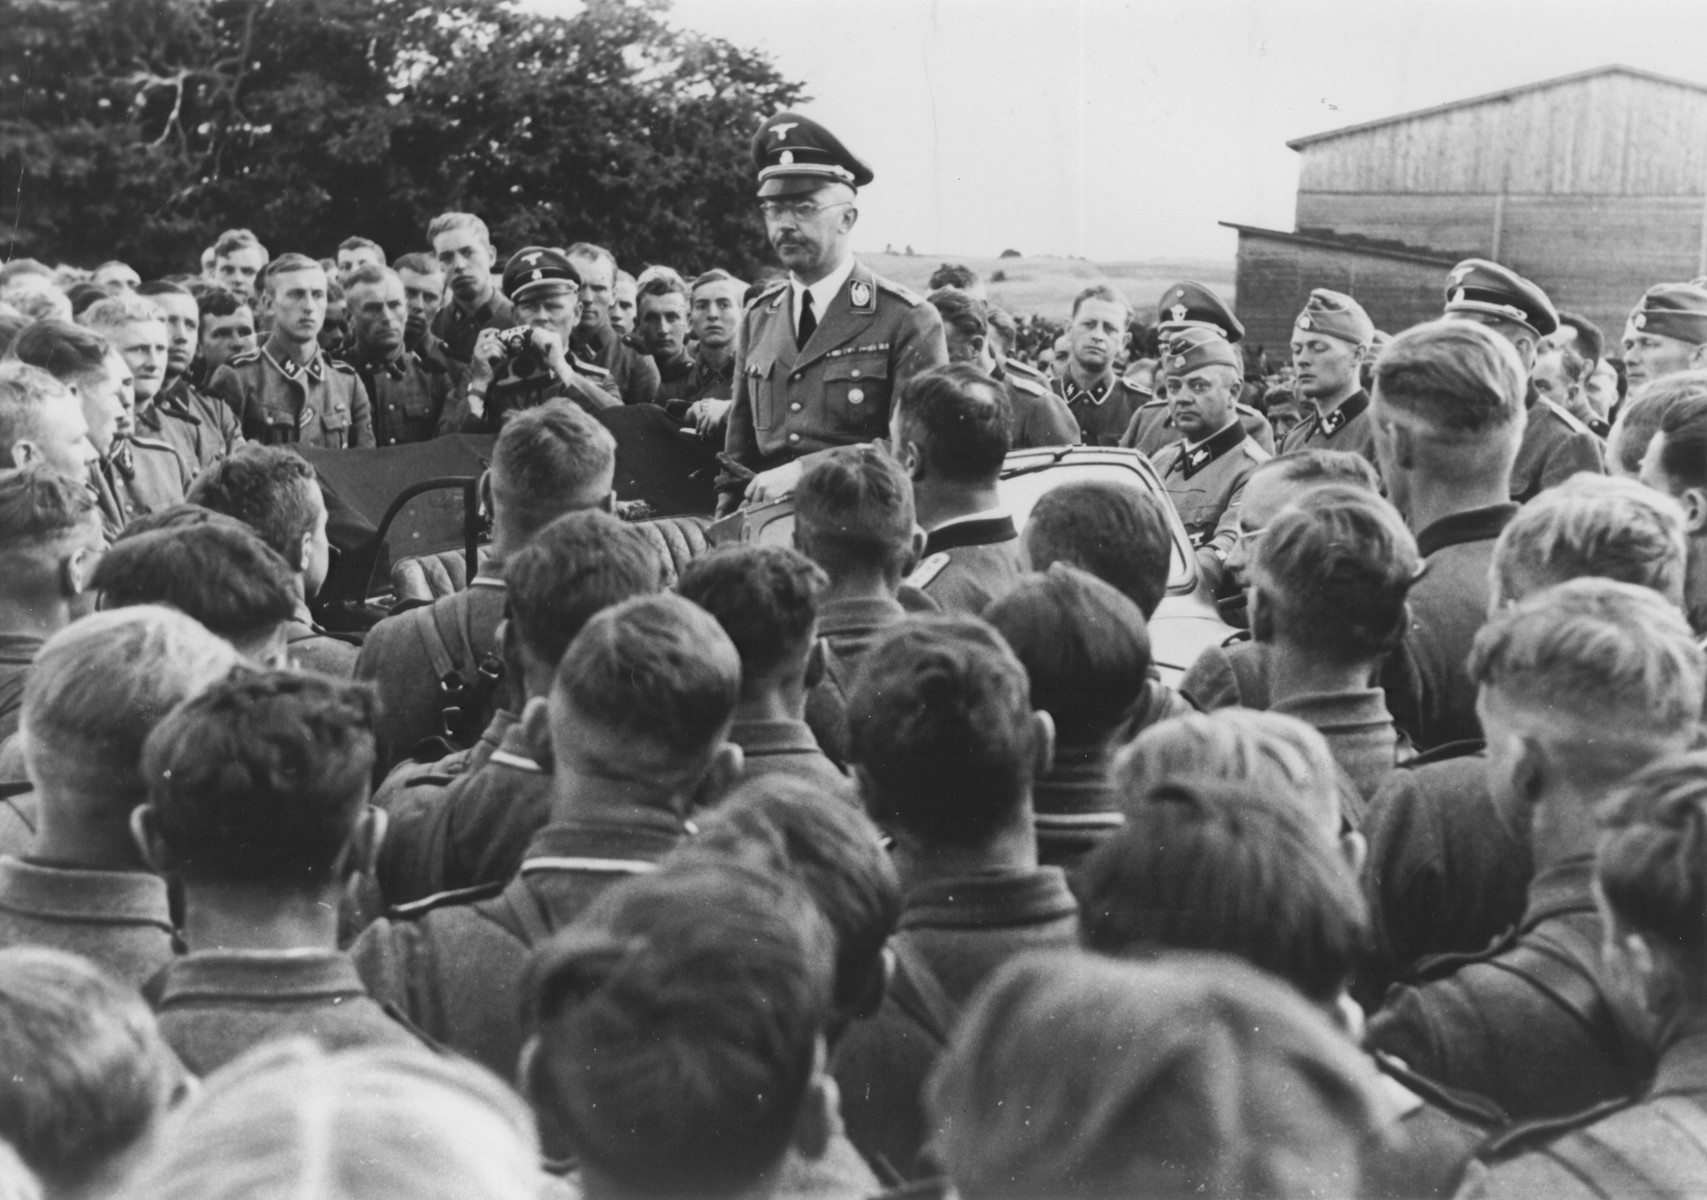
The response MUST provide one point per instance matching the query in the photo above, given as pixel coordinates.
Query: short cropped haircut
(1595, 652)
(286, 264)
(362, 243)
(1653, 842)
(715, 275)
(41, 507)
(1206, 865)
(549, 460)
(1594, 525)
(1267, 754)
(367, 275)
(1101, 291)
(220, 302)
(1077, 1077)
(940, 726)
(13, 268)
(1683, 454)
(1333, 570)
(107, 317)
(417, 262)
(1590, 341)
(579, 565)
(1117, 531)
(1085, 648)
(953, 275)
(765, 597)
(262, 777)
(679, 1020)
(269, 489)
(163, 287)
(1458, 377)
(87, 1072)
(961, 420)
(1322, 466)
(222, 574)
(25, 394)
(784, 826)
(237, 239)
(290, 1118)
(656, 669)
(451, 221)
(853, 511)
(98, 689)
(963, 313)
(70, 353)
(591, 253)
(661, 281)
(1002, 325)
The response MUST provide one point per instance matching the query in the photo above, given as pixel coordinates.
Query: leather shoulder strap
(917, 991)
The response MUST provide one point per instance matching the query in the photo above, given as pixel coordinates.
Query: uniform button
(856, 395)
(795, 407)
(794, 437)
(854, 373)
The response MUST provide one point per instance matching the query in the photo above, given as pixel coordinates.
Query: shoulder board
(420, 908)
(1464, 1106)
(1574, 425)
(1237, 637)
(244, 359)
(503, 758)
(928, 570)
(895, 289)
(1255, 452)
(1433, 967)
(436, 779)
(1531, 1135)
(148, 443)
(1155, 403)
(1137, 389)
(339, 364)
(429, 364)
(1026, 383)
(590, 370)
(771, 289)
(1447, 752)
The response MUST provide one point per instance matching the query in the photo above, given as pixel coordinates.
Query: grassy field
(1046, 286)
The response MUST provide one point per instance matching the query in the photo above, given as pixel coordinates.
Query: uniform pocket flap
(855, 369)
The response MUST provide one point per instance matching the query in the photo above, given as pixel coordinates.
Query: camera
(522, 351)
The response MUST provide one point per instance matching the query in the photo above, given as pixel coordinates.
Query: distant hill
(1046, 286)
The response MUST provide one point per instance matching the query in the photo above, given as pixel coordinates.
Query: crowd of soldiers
(884, 861)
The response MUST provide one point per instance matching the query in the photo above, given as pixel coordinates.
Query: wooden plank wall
(1461, 226)
(1607, 135)
(1275, 278)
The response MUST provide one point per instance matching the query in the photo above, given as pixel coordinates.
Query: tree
(140, 128)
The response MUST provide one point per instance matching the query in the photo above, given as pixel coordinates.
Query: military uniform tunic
(202, 429)
(458, 328)
(633, 374)
(1348, 427)
(1153, 428)
(412, 397)
(143, 476)
(969, 564)
(1041, 418)
(837, 389)
(1555, 446)
(693, 379)
(1206, 482)
(1103, 411)
(279, 400)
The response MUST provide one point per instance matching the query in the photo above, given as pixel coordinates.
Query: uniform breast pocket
(761, 391)
(416, 402)
(336, 421)
(856, 395)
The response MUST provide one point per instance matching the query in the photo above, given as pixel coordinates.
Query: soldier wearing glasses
(824, 351)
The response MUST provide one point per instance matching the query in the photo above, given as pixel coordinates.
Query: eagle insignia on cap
(859, 293)
(1457, 276)
(1178, 312)
(1640, 320)
(781, 128)
(531, 257)
(1304, 322)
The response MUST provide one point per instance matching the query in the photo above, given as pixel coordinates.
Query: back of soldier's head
(1331, 575)
(45, 519)
(269, 489)
(261, 779)
(1268, 754)
(1593, 525)
(1085, 649)
(766, 599)
(961, 422)
(1459, 387)
(787, 827)
(1073, 1076)
(88, 1076)
(679, 1024)
(549, 460)
(1208, 865)
(98, 688)
(291, 1120)
(221, 573)
(1641, 417)
(1301, 469)
(575, 567)
(70, 353)
(1649, 863)
(853, 514)
(1601, 675)
(1682, 451)
(1116, 531)
(648, 686)
(941, 732)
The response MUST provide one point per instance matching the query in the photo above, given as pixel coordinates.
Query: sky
(1126, 129)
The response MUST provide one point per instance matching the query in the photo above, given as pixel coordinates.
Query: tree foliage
(138, 129)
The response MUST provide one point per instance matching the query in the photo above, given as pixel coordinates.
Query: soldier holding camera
(519, 368)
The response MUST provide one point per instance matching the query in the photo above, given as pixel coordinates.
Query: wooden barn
(1594, 185)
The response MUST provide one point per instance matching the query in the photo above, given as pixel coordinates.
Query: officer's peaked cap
(1479, 286)
(794, 153)
(1187, 305)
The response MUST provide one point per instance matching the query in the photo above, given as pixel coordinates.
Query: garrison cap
(1477, 285)
(1337, 315)
(1674, 310)
(1187, 305)
(1193, 349)
(796, 154)
(539, 269)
